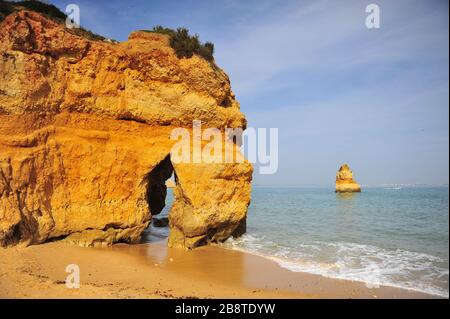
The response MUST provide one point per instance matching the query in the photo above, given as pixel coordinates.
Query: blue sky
(338, 92)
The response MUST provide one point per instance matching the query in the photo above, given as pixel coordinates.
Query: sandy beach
(224, 150)
(152, 270)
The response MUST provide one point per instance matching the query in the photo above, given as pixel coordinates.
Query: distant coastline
(363, 185)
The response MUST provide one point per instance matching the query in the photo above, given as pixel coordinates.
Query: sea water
(382, 236)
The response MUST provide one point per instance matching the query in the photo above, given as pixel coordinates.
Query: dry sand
(154, 271)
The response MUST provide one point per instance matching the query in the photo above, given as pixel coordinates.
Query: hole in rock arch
(161, 181)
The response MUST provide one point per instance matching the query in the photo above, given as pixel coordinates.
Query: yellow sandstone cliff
(84, 139)
(345, 182)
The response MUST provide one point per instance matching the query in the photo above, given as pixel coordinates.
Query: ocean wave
(369, 264)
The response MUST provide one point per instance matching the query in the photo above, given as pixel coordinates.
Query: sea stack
(345, 182)
(170, 183)
(85, 145)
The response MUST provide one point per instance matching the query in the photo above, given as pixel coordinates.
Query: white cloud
(328, 35)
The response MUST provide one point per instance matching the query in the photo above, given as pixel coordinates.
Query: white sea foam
(372, 265)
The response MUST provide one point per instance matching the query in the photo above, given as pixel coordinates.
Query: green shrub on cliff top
(48, 10)
(41, 7)
(162, 30)
(6, 8)
(186, 45)
(207, 50)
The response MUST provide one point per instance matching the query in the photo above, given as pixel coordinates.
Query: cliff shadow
(160, 182)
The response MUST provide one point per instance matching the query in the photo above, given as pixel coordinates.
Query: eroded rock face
(84, 139)
(345, 182)
(217, 207)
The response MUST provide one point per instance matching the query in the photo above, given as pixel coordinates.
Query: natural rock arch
(84, 123)
(156, 186)
(199, 212)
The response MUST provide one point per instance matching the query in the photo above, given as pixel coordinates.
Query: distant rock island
(345, 182)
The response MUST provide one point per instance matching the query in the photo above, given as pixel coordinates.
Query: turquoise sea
(383, 236)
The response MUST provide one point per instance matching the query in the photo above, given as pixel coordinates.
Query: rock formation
(84, 139)
(170, 183)
(345, 182)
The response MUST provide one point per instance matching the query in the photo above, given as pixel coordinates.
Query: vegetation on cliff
(186, 45)
(48, 10)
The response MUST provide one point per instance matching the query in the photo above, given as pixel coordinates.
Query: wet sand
(152, 270)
